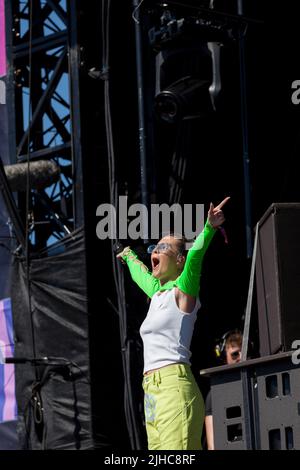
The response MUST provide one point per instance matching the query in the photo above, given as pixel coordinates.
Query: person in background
(229, 351)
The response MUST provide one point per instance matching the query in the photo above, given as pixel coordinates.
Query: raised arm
(139, 272)
(189, 280)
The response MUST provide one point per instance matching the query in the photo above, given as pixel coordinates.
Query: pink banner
(2, 39)
(8, 406)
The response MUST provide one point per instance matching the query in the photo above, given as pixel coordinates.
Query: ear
(180, 259)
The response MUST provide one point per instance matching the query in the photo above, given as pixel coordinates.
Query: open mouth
(155, 262)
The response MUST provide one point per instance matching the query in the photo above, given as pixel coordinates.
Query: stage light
(187, 98)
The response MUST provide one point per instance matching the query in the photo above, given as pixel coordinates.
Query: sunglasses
(160, 248)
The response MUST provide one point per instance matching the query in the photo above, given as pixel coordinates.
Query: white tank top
(167, 331)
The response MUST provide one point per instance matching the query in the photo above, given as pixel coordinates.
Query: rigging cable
(117, 271)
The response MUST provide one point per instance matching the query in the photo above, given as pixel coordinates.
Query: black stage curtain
(53, 394)
(8, 436)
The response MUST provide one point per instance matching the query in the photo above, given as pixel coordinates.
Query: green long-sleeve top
(189, 279)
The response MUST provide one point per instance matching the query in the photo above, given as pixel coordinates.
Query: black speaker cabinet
(278, 278)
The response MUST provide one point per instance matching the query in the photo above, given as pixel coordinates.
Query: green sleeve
(140, 273)
(189, 280)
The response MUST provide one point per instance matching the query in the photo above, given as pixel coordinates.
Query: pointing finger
(223, 202)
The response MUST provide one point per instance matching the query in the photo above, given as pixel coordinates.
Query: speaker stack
(278, 278)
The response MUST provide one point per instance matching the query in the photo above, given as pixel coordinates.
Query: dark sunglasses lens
(150, 249)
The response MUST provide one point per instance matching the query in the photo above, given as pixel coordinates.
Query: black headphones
(220, 346)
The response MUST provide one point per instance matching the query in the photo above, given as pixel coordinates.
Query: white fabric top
(167, 331)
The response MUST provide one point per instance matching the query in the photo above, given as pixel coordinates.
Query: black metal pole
(76, 149)
(141, 109)
(245, 140)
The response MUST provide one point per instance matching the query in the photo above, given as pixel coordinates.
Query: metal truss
(45, 104)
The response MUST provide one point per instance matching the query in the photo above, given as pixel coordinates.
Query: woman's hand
(215, 214)
(122, 253)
